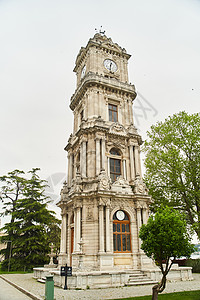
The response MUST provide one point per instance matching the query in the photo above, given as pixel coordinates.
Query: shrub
(194, 263)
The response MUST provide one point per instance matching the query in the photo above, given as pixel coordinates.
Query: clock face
(110, 65)
(83, 72)
(120, 215)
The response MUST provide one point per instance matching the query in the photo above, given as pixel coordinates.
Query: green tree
(54, 234)
(173, 165)
(12, 186)
(30, 225)
(164, 239)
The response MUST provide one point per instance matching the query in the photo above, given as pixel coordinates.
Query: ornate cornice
(92, 79)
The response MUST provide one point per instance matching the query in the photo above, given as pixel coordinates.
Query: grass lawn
(192, 295)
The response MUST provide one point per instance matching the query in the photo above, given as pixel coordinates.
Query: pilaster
(107, 228)
(132, 166)
(101, 229)
(98, 160)
(137, 161)
(103, 153)
(139, 224)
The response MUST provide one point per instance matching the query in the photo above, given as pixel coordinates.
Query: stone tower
(104, 201)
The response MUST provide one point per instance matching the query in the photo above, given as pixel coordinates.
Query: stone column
(108, 166)
(78, 232)
(132, 167)
(68, 174)
(145, 215)
(127, 113)
(101, 229)
(69, 177)
(63, 242)
(119, 114)
(139, 224)
(103, 153)
(96, 103)
(137, 161)
(124, 169)
(130, 111)
(83, 159)
(107, 228)
(107, 112)
(75, 230)
(98, 161)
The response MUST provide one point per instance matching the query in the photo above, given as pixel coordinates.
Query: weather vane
(100, 30)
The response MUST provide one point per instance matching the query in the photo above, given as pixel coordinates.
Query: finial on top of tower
(100, 31)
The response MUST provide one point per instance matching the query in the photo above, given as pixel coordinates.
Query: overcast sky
(39, 42)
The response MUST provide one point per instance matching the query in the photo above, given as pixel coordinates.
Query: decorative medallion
(117, 128)
(121, 186)
(104, 181)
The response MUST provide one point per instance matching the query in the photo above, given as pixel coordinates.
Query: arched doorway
(121, 232)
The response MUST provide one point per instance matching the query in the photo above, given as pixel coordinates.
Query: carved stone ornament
(104, 202)
(104, 181)
(121, 186)
(139, 186)
(65, 188)
(76, 186)
(107, 42)
(89, 213)
(132, 129)
(64, 192)
(117, 128)
(141, 204)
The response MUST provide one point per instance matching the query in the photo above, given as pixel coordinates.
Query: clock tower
(104, 202)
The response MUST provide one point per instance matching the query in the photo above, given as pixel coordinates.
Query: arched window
(115, 164)
(115, 151)
(121, 232)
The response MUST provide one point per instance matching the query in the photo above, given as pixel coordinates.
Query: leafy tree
(164, 239)
(173, 165)
(30, 225)
(12, 186)
(54, 234)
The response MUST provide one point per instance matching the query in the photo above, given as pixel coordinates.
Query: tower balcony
(109, 83)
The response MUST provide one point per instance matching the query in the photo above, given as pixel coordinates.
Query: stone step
(137, 275)
(135, 271)
(41, 280)
(138, 279)
(146, 282)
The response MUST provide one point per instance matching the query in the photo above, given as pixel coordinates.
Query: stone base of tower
(106, 261)
(62, 259)
(112, 278)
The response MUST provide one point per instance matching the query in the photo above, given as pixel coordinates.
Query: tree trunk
(159, 288)
(155, 290)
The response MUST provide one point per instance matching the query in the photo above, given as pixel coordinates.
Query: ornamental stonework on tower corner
(105, 200)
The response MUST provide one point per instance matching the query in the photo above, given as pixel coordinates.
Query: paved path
(27, 282)
(8, 292)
